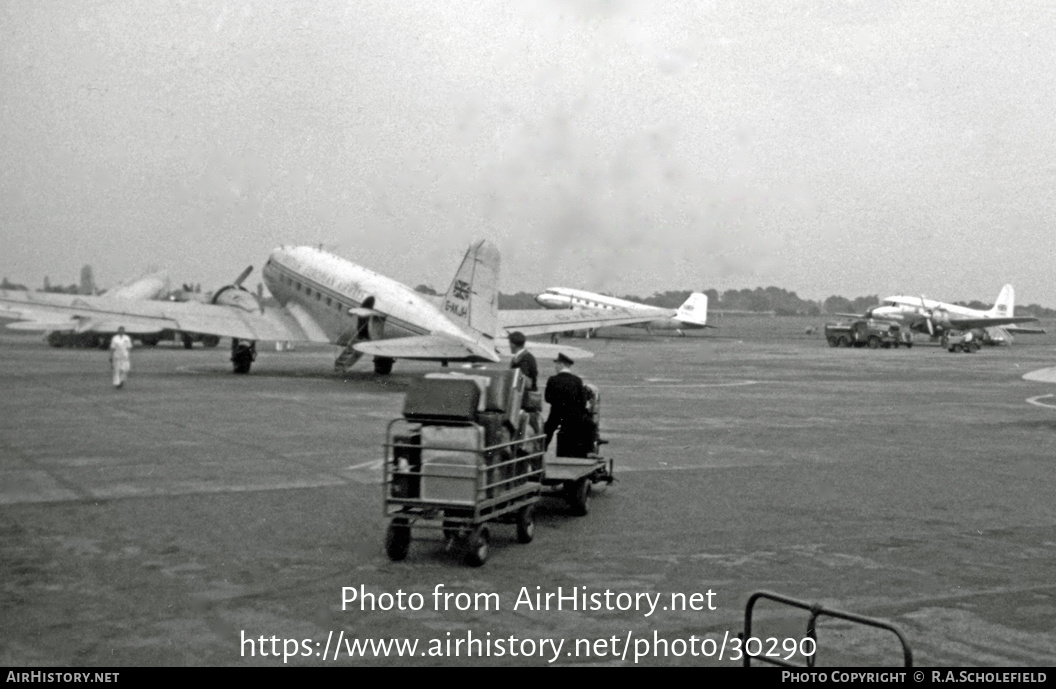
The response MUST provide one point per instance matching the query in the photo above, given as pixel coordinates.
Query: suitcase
(442, 398)
(501, 384)
(449, 463)
(496, 432)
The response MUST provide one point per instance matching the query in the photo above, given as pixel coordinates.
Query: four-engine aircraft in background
(693, 313)
(936, 318)
(327, 299)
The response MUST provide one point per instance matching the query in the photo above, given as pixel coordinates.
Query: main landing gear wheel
(397, 539)
(526, 524)
(383, 366)
(579, 497)
(478, 547)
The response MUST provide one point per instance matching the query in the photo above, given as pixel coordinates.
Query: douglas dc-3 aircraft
(693, 314)
(150, 285)
(939, 318)
(327, 299)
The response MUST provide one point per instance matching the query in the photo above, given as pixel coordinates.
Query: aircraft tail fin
(1005, 304)
(694, 311)
(473, 298)
(88, 287)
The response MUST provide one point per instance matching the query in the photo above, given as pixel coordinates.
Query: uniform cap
(563, 359)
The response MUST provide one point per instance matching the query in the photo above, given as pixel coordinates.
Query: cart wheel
(478, 547)
(579, 496)
(450, 531)
(526, 524)
(397, 539)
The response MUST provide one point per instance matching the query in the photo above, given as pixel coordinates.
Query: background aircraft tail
(88, 287)
(694, 311)
(473, 298)
(1005, 304)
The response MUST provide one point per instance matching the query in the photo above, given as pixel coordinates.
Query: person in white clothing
(120, 356)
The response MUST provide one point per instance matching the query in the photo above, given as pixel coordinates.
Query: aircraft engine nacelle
(237, 296)
(370, 328)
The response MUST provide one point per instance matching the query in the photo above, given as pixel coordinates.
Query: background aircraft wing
(42, 311)
(428, 348)
(970, 323)
(541, 321)
(1016, 330)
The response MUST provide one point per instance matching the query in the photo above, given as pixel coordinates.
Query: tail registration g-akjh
(327, 299)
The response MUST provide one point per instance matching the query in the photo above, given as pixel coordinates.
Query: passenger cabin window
(328, 301)
(298, 287)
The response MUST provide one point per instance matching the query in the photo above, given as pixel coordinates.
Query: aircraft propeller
(242, 276)
(929, 316)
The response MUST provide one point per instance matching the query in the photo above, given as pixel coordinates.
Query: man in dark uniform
(567, 397)
(525, 361)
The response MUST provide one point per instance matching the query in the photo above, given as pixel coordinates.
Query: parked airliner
(693, 313)
(327, 299)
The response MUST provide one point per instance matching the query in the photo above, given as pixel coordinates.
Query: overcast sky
(827, 147)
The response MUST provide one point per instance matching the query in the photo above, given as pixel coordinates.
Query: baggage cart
(459, 461)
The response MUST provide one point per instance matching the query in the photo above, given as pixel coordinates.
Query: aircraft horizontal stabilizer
(545, 350)
(428, 348)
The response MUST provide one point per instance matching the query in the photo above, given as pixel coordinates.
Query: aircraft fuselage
(325, 287)
(566, 298)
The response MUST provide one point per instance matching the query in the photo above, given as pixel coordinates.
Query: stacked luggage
(454, 421)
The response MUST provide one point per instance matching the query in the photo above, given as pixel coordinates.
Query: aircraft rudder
(472, 300)
(1005, 305)
(694, 310)
(87, 281)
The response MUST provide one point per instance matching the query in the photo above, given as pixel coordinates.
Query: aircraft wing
(971, 323)
(1016, 330)
(42, 311)
(542, 321)
(428, 348)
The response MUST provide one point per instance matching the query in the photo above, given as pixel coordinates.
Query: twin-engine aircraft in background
(153, 284)
(326, 299)
(938, 319)
(692, 315)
